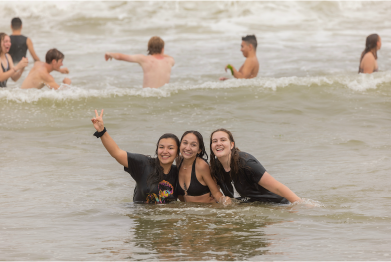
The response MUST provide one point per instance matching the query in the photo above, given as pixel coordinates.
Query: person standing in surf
(250, 67)
(20, 43)
(368, 59)
(229, 164)
(155, 178)
(8, 70)
(195, 183)
(39, 76)
(156, 65)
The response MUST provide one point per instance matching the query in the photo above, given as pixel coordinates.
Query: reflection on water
(198, 232)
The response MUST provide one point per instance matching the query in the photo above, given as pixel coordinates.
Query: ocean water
(312, 121)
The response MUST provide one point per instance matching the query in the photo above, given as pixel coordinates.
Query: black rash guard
(195, 188)
(18, 48)
(247, 183)
(139, 167)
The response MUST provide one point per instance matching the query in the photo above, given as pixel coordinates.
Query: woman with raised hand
(229, 164)
(155, 178)
(8, 70)
(368, 63)
(195, 183)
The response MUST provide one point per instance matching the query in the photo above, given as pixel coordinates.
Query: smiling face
(167, 151)
(6, 44)
(221, 145)
(190, 146)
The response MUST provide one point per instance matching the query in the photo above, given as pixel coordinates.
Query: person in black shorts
(7, 69)
(230, 165)
(155, 178)
(195, 183)
(20, 43)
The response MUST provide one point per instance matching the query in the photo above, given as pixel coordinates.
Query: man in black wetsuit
(20, 43)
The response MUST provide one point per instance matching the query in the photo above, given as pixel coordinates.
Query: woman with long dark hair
(229, 164)
(368, 63)
(7, 69)
(155, 178)
(195, 183)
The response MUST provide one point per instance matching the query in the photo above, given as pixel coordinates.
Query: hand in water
(63, 70)
(225, 200)
(223, 78)
(108, 56)
(98, 121)
(66, 81)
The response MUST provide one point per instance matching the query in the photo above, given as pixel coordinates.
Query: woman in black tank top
(195, 183)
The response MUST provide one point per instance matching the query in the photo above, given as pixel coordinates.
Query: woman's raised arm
(120, 155)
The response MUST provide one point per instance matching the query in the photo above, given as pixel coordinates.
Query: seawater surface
(311, 120)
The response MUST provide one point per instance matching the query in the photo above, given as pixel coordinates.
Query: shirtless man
(39, 76)
(156, 65)
(250, 67)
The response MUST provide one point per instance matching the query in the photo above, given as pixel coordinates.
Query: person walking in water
(250, 67)
(20, 43)
(8, 70)
(39, 76)
(368, 60)
(156, 65)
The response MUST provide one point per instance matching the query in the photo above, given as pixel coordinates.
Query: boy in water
(39, 76)
(156, 65)
(250, 67)
(20, 43)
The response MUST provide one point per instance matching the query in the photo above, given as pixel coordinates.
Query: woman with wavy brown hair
(368, 63)
(7, 69)
(229, 164)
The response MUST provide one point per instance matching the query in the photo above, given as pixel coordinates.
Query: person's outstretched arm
(128, 58)
(120, 155)
(31, 50)
(271, 184)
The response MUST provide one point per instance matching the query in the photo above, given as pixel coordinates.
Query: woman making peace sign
(155, 177)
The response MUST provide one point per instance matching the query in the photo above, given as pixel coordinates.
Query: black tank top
(195, 188)
(18, 48)
(4, 83)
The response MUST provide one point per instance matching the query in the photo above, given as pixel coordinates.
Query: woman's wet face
(167, 150)
(221, 145)
(190, 146)
(379, 43)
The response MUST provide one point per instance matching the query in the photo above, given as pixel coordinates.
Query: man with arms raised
(39, 76)
(250, 67)
(156, 65)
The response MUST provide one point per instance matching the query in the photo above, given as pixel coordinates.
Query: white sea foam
(358, 83)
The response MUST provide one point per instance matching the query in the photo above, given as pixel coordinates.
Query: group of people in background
(156, 65)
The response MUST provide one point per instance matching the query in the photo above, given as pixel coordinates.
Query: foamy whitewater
(312, 121)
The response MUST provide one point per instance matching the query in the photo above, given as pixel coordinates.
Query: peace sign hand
(98, 121)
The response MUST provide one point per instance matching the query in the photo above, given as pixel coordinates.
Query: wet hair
(53, 54)
(250, 39)
(216, 168)
(16, 23)
(201, 145)
(157, 173)
(155, 45)
(370, 46)
(2, 36)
